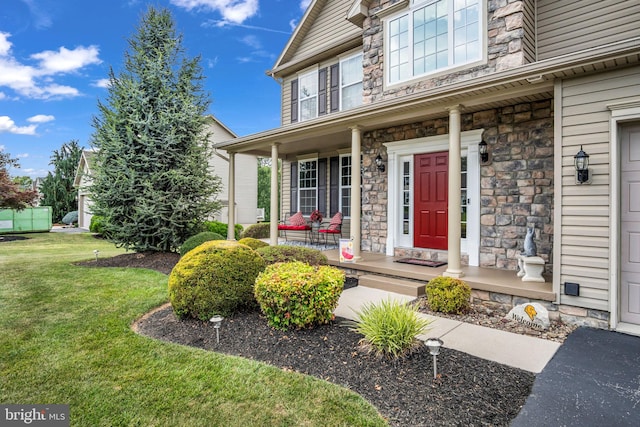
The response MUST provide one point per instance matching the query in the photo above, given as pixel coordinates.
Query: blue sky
(55, 56)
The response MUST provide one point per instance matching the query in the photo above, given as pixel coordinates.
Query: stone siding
(505, 39)
(516, 184)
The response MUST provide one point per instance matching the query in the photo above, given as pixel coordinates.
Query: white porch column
(231, 209)
(455, 209)
(273, 220)
(356, 182)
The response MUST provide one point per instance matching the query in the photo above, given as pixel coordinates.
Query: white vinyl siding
(571, 25)
(329, 26)
(585, 222)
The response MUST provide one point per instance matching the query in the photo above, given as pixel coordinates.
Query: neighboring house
(418, 84)
(82, 181)
(246, 180)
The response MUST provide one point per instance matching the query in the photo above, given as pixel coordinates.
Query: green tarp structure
(26, 220)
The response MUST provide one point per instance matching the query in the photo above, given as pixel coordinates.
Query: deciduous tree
(12, 195)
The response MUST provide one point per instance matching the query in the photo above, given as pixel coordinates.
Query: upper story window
(308, 95)
(351, 82)
(431, 36)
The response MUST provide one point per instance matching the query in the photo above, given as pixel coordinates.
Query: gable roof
(84, 165)
(323, 32)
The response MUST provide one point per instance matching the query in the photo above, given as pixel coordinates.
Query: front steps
(390, 284)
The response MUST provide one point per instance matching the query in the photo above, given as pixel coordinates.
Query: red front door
(430, 200)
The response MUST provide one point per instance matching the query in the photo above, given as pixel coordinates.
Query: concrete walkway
(519, 351)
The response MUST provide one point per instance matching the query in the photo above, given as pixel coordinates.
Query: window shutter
(322, 91)
(322, 186)
(294, 188)
(335, 87)
(294, 101)
(334, 185)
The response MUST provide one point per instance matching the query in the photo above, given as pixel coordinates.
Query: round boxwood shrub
(258, 231)
(195, 241)
(283, 253)
(295, 294)
(222, 227)
(253, 243)
(217, 277)
(448, 295)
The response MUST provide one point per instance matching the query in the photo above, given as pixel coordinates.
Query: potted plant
(316, 218)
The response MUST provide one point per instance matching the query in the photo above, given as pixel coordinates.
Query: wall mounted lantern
(483, 149)
(379, 163)
(581, 161)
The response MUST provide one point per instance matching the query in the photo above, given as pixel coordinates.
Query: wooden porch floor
(381, 271)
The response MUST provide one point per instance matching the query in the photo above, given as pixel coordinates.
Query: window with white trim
(351, 82)
(307, 186)
(431, 36)
(308, 96)
(345, 185)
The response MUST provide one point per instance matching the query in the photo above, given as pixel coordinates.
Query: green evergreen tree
(151, 178)
(57, 188)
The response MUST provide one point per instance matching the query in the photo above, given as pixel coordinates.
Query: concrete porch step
(411, 288)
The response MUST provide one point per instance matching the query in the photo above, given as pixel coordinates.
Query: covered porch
(382, 271)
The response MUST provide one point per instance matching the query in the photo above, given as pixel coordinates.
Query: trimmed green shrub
(448, 295)
(390, 328)
(221, 228)
(253, 243)
(217, 277)
(295, 294)
(283, 253)
(258, 231)
(97, 224)
(195, 241)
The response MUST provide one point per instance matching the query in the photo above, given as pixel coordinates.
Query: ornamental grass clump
(390, 327)
(298, 295)
(217, 277)
(448, 295)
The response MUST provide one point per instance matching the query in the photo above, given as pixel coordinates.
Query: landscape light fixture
(483, 149)
(96, 253)
(434, 344)
(581, 161)
(379, 163)
(217, 321)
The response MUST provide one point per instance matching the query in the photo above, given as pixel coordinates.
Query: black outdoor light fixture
(379, 163)
(582, 166)
(483, 149)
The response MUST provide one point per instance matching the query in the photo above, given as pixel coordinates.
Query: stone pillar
(231, 209)
(356, 182)
(455, 209)
(273, 220)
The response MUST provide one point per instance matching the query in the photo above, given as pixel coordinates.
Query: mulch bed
(7, 238)
(468, 390)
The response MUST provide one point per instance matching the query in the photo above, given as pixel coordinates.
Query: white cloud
(37, 81)
(103, 83)
(65, 60)
(22, 156)
(292, 24)
(304, 4)
(219, 23)
(9, 126)
(235, 11)
(40, 118)
(252, 41)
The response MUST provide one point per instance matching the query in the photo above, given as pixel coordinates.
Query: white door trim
(469, 141)
(620, 113)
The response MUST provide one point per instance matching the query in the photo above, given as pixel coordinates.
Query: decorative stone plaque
(531, 314)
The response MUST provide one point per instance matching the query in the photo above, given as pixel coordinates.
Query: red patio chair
(334, 228)
(296, 222)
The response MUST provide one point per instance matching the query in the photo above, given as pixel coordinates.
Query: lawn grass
(66, 338)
